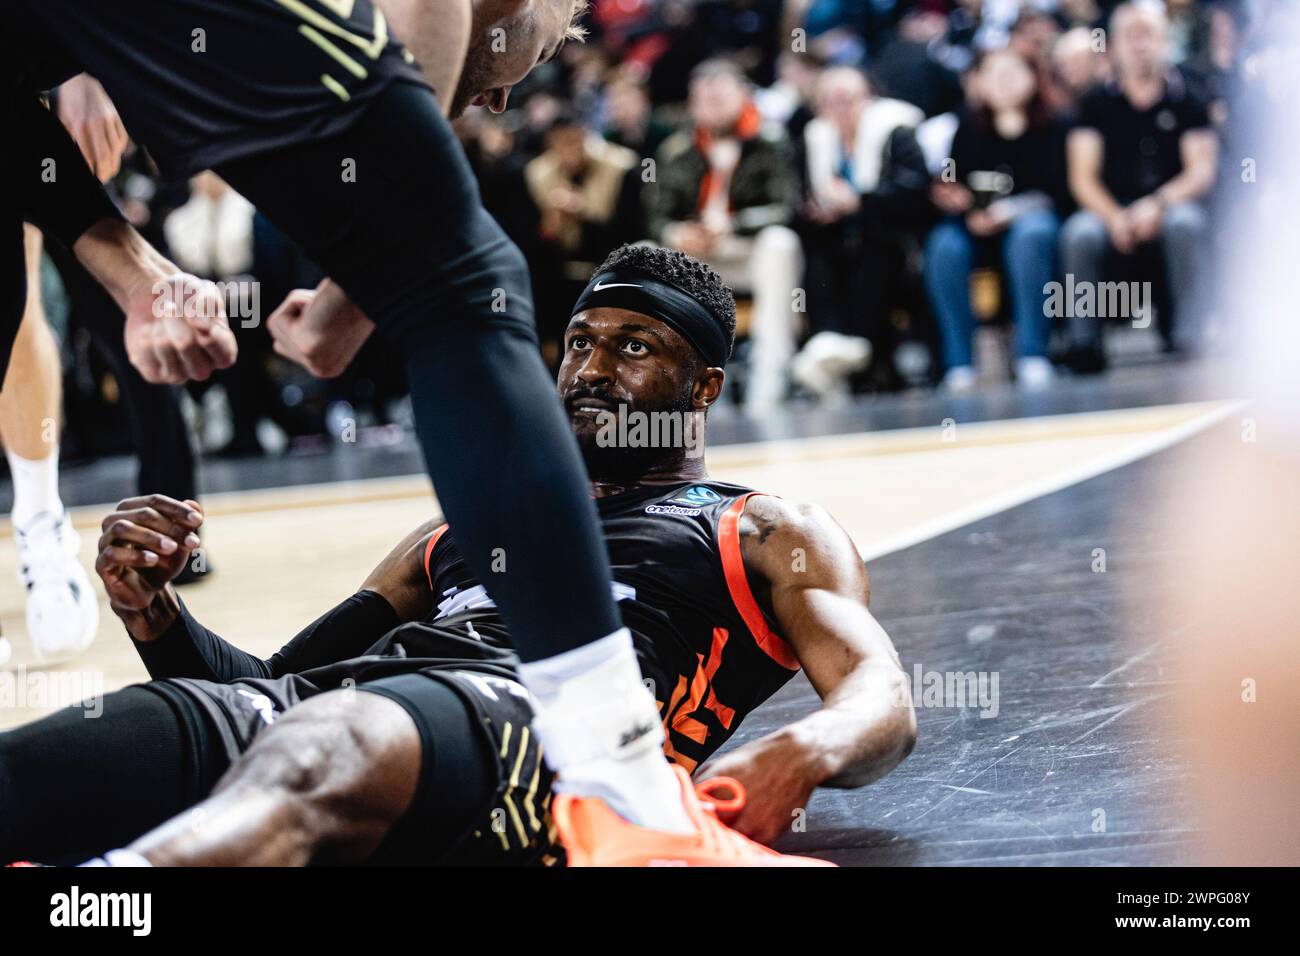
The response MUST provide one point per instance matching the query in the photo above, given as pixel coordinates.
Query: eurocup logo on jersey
(697, 496)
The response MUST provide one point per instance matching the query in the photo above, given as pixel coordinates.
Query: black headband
(612, 289)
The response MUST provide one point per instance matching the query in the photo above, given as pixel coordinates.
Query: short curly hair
(684, 272)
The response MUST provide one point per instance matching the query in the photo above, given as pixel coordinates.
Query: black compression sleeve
(188, 649)
(56, 189)
(347, 630)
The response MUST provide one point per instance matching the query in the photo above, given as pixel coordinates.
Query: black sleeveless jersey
(709, 650)
(203, 82)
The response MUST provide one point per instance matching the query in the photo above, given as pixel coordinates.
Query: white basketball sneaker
(62, 610)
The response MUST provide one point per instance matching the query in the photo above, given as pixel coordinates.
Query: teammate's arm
(168, 340)
(436, 32)
(818, 589)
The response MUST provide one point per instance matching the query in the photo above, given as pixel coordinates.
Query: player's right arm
(147, 541)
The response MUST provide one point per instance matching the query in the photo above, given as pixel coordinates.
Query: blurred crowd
(902, 193)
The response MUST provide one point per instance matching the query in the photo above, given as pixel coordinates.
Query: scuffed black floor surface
(1081, 678)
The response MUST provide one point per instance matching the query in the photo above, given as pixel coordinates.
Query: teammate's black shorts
(484, 792)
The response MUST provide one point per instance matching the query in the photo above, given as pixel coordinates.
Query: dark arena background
(1015, 304)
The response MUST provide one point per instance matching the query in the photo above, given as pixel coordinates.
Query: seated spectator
(1078, 66)
(725, 192)
(921, 64)
(631, 121)
(1034, 37)
(867, 183)
(1010, 188)
(788, 101)
(1141, 161)
(587, 194)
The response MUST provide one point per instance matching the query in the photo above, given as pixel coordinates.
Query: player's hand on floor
(177, 331)
(145, 544)
(322, 330)
(92, 121)
(777, 786)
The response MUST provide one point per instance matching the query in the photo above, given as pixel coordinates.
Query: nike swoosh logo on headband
(615, 285)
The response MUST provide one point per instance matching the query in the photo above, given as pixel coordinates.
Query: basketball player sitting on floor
(394, 729)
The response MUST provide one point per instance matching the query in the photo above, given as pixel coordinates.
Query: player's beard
(620, 463)
(473, 76)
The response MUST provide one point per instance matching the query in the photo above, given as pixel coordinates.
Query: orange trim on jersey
(428, 552)
(733, 567)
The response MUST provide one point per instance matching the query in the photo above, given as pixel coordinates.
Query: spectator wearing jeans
(724, 192)
(1141, 160)
(866, 183)
(1008, 158)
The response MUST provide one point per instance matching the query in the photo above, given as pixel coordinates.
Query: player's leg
(331, 779)
(62, 612)
(83, 780)
(390, 211)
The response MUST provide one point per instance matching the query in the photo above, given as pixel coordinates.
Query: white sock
(118, 858)
(601, 732)
(36, 486)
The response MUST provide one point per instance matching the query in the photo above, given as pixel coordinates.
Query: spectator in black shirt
(1004, 196)
(1141, 160)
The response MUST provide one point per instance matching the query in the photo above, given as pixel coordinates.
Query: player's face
(618, 361)
(503, 52)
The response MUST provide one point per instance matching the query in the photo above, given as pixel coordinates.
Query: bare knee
(336, 772)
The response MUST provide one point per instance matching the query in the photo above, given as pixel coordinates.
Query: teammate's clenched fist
(145, 544)
(176, 331)
(321, 329)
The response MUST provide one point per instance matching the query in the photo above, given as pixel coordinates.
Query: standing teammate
(314, 112)
(422, 751)
(62, 609)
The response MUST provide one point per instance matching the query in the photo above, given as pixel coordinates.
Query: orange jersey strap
(733, 567)
(428, 552)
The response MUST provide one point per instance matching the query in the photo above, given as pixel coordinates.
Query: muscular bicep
(819, 589)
